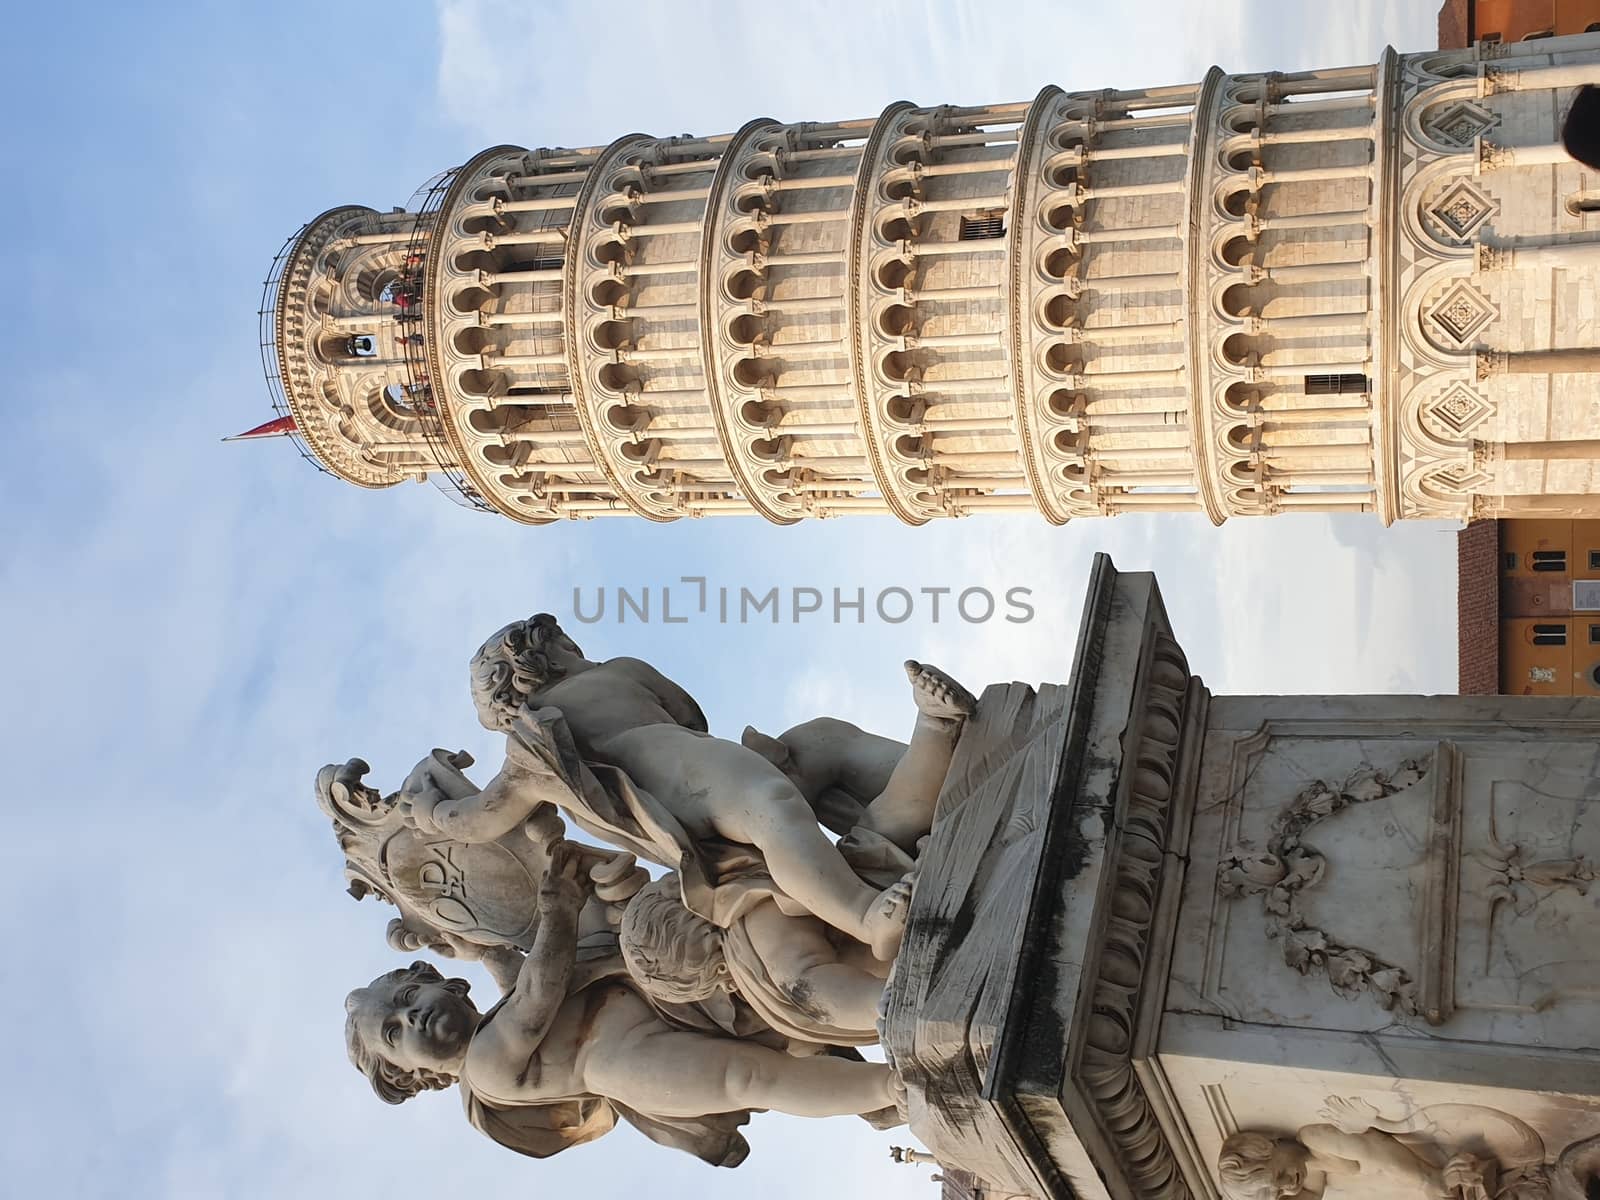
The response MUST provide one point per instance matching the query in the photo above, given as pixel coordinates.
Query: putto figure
(737, 982)
(638, 769)
(1438, 1152)
(570, 1047)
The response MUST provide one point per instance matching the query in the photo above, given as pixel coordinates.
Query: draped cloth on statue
(775, 1005)
(720, 880)
(546, 1127)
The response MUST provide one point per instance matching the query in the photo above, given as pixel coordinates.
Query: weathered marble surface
(1474, 881)
(1021, 1005)
(1362, 929)
(1389, 899)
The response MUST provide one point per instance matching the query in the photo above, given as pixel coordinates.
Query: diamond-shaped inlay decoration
(1459, 411)
(1462, 478)
(1462, 209)
(1461, 313)
(1461, 123)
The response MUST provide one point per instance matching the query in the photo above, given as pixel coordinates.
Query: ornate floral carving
(1492, 156)
(1290, 867)
(1498, 80)
(1492, 258)
(1520, 883)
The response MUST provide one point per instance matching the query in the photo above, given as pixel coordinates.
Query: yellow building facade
(1550, 607)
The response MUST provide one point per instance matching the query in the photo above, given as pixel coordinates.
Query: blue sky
(191, 629)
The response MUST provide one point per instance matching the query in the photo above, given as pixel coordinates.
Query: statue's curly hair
(511, 665)
(672, 954)
(1243, 1167)
(393, 1084)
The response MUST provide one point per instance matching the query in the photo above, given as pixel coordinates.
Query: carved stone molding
(1492, 156)
(1125, 1109)
(1492, 258)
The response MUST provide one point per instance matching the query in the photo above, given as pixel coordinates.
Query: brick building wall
(1478, 608)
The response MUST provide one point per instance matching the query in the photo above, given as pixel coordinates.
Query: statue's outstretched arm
(546, 972)
(535, 774)
(510, 798)
(502, 962)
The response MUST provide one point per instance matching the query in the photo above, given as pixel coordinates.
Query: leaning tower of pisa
(1364, 289)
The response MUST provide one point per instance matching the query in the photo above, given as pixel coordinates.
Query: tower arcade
(1361, 289)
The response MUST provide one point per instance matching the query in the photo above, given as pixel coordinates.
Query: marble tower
(1361, 289)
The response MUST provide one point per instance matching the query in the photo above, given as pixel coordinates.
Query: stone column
(1575, 448)
(1538, 362)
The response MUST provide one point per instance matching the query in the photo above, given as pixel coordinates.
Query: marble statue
(678, 1006)
(472, 902)
(625, 753)
(768, 969)
(570, 1047)
(1439, 1152)
(794, 974)
(1076, 998)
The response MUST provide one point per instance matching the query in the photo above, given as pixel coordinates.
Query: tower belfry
(1361, 289)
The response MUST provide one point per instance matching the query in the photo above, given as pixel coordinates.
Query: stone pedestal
(1149, 920)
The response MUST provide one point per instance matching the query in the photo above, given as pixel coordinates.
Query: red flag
(276, 427)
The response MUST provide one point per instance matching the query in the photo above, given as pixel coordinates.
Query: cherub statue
(571, 1046)
(795, 975)
(768, 973)
(1439, 1152)
(465, 901)
(625, 753)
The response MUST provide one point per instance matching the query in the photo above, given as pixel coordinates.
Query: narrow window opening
(1511, 562)
(1550, 560)
(1549, 635)
(1492, 39)
(1594, 635)
(1594, 560)
(983, 225)
(1335, 385)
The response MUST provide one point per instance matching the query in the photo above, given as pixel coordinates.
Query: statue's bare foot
(897, 1093)
(770, 748)
(886, 922)
(937, 695)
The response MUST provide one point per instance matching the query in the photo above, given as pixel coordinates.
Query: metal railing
(267, 333)
(449, 477)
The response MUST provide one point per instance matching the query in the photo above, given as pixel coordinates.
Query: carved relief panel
(1414, 868)
(1388, 943)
